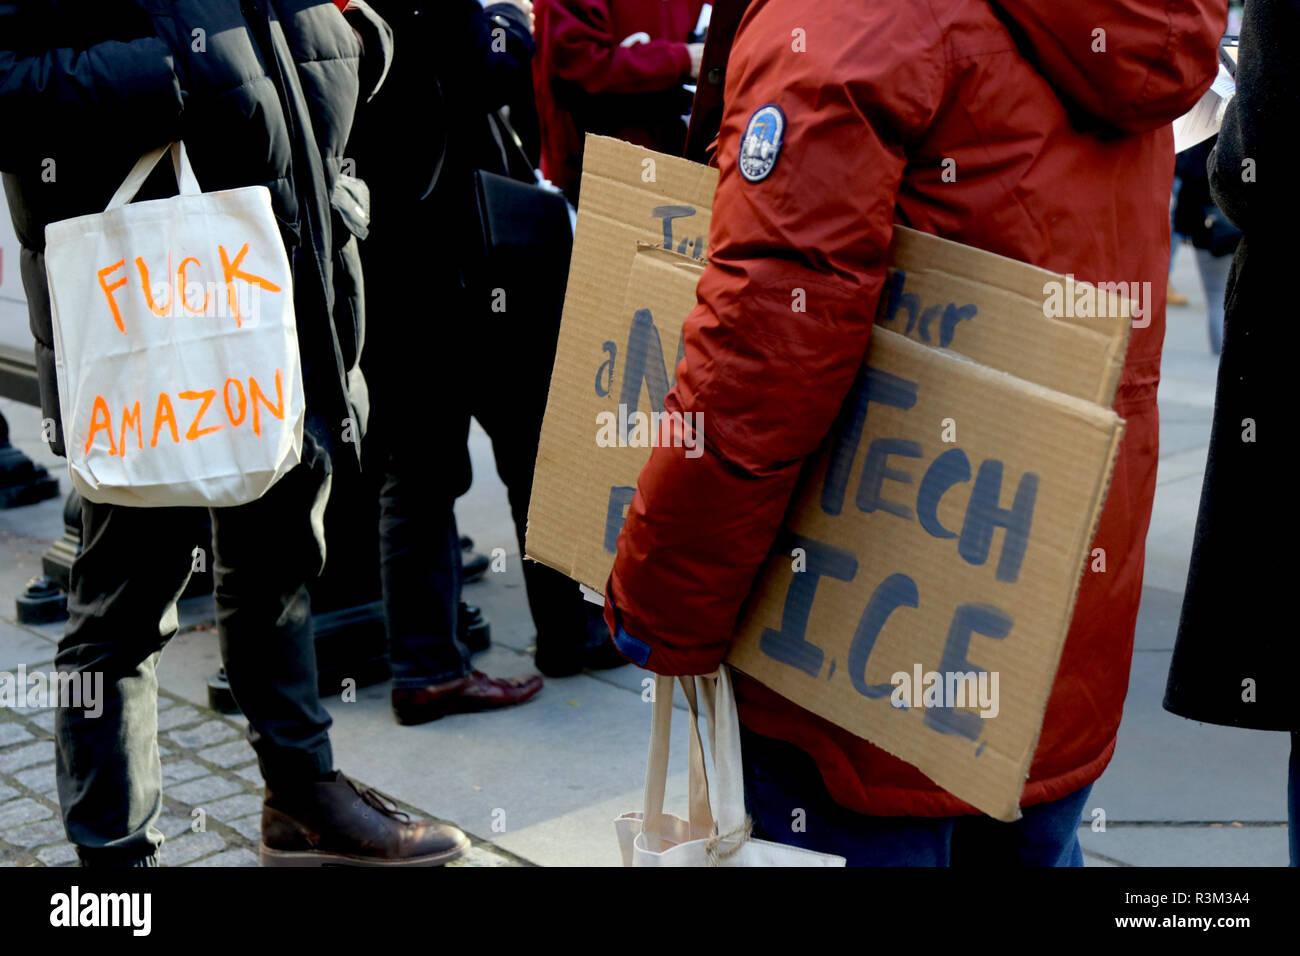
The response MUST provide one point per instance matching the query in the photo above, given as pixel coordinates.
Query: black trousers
(134, 564)
(430, 370)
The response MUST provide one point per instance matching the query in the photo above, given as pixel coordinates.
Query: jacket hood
(1159, 56)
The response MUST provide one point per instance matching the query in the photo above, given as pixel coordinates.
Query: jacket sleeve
(1258, 125)
(376, 44)
(784, 315)
(126, 90)
(488, 59)
(587, 53)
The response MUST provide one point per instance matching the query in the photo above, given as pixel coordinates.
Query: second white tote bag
(706, 838)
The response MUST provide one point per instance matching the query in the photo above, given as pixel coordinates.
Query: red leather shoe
(473, 692)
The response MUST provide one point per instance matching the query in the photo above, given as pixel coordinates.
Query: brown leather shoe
(338, 823)
(475, 691)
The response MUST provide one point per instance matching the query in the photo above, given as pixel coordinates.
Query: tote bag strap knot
(186, 182)
(726, 845)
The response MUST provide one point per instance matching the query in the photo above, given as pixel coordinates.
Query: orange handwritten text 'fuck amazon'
(194, 409)
(183, 292)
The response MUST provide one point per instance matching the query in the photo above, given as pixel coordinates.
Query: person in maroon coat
(613, 67)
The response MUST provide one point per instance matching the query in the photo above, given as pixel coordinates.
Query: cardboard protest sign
(635, 195)
(951, 563)
(921, 590)
(574, 527)
(991, 309)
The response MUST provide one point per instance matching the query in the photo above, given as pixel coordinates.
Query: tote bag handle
(715, 698)
(656, 778)
(185, 179)
(728, 792)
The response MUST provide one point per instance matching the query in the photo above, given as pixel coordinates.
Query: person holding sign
(1043, 137)
(259, 92)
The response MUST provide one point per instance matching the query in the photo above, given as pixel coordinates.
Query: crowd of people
(1064, 158)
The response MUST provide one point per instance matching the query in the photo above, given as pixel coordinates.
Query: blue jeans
(780, 780)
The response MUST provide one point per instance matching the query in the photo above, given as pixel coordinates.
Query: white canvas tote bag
(654, 838)
(175, 345)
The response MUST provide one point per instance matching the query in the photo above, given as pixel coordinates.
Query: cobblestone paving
(212, 792)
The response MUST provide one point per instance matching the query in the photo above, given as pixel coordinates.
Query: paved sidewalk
(212, 788)
(543, 781)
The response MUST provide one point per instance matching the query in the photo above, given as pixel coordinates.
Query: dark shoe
(594, 650)
(335, 822)
(553, 663)
(473, 692)
(107, 859)
(603, 657)
(599, 657)
(473, 628)
(473, 564)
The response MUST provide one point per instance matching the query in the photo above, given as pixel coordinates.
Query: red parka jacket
(580, 48)
(1057, 118)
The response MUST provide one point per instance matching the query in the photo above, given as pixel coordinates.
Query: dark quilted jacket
(263, 92)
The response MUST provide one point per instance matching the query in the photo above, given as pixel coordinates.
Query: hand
(527, 7)
(696, 50)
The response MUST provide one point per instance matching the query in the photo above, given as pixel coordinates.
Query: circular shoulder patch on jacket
(762, 143)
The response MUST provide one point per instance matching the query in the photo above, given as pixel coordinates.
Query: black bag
(1217, 234)
(520, 273)
(524, 228)
(1195, 214)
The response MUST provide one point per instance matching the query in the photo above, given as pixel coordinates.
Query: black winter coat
(263, 92)
(1238, 638)
(453, 63)
(418, 143)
